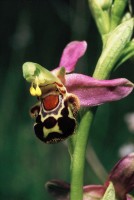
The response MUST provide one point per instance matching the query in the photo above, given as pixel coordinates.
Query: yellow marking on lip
(47, 131)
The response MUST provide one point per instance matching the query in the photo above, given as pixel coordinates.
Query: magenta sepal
(92, 92)
(72, 52)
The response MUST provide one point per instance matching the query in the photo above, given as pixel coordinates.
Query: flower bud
(122, 176)
(105, 4)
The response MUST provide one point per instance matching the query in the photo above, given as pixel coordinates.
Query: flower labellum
(60, 94)
(55, 113)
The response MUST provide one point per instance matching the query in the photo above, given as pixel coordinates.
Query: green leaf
(127, 53)
(110, 193)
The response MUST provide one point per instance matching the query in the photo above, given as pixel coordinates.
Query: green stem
(78, 161)
(114, 44)
(71, 146)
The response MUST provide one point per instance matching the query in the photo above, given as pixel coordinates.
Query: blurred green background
(38, 31)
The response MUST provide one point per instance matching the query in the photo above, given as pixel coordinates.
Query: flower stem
(78, 161)
(113, 45)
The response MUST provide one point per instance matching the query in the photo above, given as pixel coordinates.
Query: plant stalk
(78, 161)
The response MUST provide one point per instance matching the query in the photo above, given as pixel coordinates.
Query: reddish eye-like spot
(50, 102)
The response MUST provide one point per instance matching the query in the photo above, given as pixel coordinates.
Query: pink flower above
(61, 94)
(122, 177)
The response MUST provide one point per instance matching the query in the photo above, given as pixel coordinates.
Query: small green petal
(110, 193)
(60, 73)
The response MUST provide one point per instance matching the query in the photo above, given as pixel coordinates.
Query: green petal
(110, 193)
(31, 71)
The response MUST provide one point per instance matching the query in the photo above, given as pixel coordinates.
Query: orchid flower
(61, 93)
(122, 177)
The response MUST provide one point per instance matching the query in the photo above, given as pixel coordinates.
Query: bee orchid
(121, 176)
(61, 93)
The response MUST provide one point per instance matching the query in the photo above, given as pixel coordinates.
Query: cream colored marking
(70, 113)
(46, 131)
